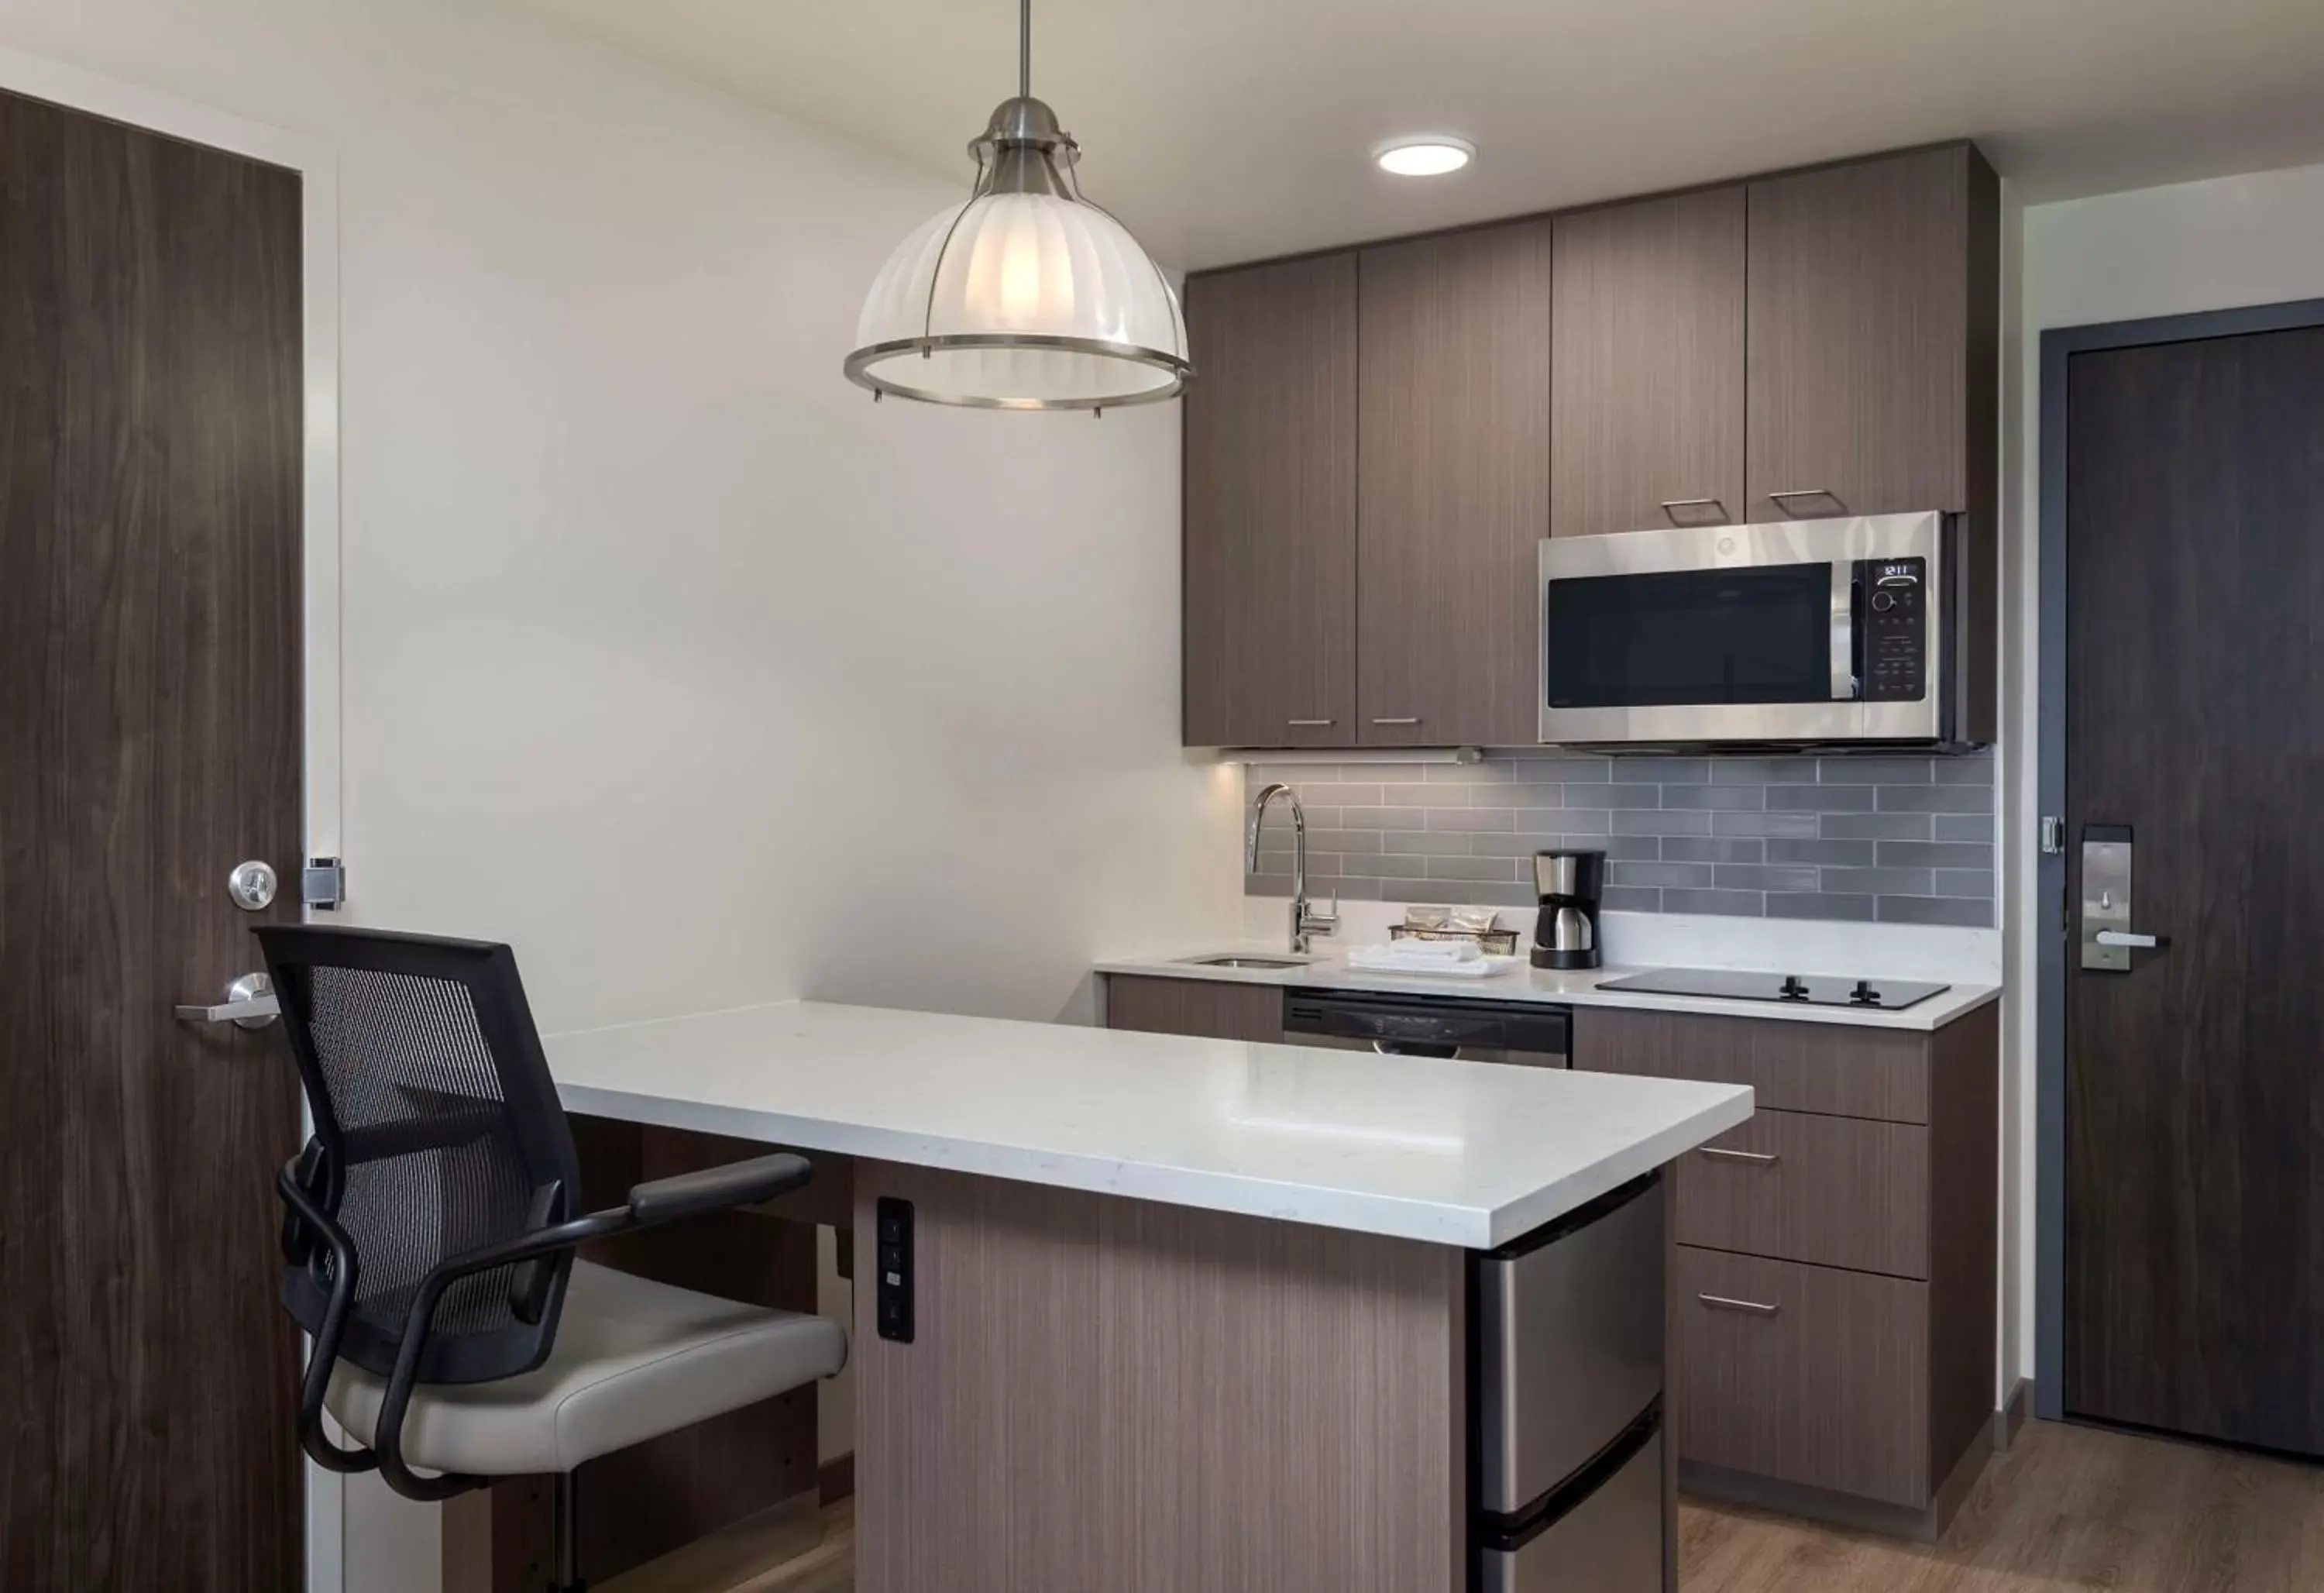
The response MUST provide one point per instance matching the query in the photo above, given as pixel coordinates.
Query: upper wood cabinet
(1270, 507)
(1453, 494)
(1647, 411)
(1377, 439)
(1868, 285)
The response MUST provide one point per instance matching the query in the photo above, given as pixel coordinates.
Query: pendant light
(1028, 297)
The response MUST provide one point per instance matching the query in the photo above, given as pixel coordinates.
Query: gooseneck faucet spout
(1306, 923)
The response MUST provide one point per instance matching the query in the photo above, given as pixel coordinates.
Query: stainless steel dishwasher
(1522, 1033)
(1567, 1425)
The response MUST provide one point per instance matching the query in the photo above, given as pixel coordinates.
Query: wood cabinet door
(1858, 331)
(1453, 496)
(1806, 1375)
(1647, 376)
(1838, 1069)
(1211, 1008)
(1800, 1186)
(1270, 507)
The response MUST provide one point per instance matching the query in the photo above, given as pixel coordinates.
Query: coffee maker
(1570, 885)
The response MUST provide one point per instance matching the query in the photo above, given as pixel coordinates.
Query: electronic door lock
(2107, 939)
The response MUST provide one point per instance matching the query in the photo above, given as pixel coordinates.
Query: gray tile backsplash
(1868, 839)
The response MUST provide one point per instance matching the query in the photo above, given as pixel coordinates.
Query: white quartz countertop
(1450, 1152)
(1548, 988)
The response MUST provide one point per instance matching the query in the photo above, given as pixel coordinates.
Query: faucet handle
(1322, 924)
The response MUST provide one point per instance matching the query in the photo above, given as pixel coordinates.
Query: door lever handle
(2132, 939)
(250, 1004)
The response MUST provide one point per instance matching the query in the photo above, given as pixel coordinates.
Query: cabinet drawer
(1803, 1374)
(1793, 1066)
(1837, 1191)
(1213, 1009)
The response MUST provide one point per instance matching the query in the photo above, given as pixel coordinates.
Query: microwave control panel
(1892, 655)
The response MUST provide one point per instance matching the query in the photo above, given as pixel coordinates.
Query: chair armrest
(307, 1224)
(717, 1189)
(740, 1183)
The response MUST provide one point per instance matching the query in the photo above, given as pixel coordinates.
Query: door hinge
(2053, 836)
(323, 885)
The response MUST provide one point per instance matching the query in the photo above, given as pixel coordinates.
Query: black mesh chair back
(438, 1132)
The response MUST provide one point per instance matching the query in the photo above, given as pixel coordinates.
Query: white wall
(2193, 247)
(669, 657)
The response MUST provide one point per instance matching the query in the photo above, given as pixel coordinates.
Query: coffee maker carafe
(1571, 884)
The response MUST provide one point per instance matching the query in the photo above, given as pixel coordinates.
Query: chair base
(567, 1529)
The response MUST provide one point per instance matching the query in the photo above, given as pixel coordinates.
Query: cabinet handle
(1671, 506)
(1811, 492)
(1757, 1158)
(1411, 721)
(1720, 1302)
(1311, 724)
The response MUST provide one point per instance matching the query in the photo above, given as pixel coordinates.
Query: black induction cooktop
(1803, 989)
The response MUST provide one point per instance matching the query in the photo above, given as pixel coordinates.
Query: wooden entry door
(2194, 1168)
(150, 669)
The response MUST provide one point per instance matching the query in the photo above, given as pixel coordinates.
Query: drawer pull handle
(1720, 1302)
(1757, 1158)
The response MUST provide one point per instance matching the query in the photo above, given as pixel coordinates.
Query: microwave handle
(1843, 630)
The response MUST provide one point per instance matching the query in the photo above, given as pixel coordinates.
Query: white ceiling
(1225, 130)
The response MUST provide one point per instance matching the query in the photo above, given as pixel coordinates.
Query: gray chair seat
(633, 1359)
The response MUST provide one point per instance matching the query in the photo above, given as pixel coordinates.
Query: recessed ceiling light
(1431, 154)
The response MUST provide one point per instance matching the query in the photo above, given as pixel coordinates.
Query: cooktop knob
(1795, 988)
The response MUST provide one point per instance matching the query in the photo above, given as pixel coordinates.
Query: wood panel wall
(1114, 1395)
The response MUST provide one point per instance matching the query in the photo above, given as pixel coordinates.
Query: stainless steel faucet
(1305, 921)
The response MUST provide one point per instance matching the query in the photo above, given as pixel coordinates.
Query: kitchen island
(1152, 1313)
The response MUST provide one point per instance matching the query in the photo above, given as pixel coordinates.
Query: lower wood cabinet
(1837, 1191)
(1792, 1064)
(1832, 1329)
(1812, 1374)
(1837, 1257)
(1212, 1009)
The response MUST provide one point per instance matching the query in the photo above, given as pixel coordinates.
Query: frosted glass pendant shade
(1021, 300)
(1028, 297)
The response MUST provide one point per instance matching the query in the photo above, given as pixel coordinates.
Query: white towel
(1429, 951)
(1465, 963)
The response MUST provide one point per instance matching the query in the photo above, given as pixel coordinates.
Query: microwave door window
(1757, 634)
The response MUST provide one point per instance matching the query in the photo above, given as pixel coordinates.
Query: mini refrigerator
(1566, 1466)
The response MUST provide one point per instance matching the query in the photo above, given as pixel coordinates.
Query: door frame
(2052, 911)
(316, 160)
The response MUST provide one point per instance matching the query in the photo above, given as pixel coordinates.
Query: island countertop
(1451, 1152)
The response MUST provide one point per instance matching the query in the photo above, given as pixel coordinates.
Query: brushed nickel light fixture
(1028, 297)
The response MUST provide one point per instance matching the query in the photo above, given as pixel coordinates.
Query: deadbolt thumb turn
(251, 885)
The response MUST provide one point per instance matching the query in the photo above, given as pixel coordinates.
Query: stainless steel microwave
(1805, 633)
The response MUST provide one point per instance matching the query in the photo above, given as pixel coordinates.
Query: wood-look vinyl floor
(2067, 1507)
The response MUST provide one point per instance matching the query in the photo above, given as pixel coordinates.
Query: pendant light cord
(1025, 49)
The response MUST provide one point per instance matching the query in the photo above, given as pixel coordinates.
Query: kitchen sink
(1247, 959)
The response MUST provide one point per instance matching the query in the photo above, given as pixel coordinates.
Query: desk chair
(431, 1232)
